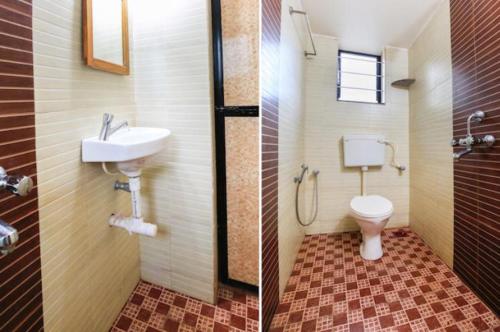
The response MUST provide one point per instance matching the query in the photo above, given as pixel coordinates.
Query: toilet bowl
(372, 213)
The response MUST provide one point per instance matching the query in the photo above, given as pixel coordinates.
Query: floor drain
(400, 233)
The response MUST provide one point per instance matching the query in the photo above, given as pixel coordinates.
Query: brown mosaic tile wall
(20, 277)
(242, 181)
(271, 29)
(240, 35)
(475, 35)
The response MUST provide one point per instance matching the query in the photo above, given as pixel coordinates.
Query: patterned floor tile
(152, 308)
(332, 288)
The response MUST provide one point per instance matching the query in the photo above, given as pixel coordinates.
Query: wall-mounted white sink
(129, 148)
(125, 145)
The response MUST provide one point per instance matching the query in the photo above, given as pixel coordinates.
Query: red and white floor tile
(409, 289)
(152, 308)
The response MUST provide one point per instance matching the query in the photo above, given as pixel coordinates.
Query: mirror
(105, 35)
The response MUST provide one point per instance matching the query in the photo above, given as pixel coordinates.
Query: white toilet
(372, 212)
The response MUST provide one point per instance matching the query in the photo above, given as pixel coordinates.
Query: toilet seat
(371, 207)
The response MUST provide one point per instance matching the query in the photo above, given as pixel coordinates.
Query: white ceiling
(370, 25)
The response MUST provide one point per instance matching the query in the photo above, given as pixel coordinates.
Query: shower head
(298, 179)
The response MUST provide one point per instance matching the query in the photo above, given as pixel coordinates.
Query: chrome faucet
(462, 153)
(8, 238)
(107, 130)
(470, 141)
(19, 185)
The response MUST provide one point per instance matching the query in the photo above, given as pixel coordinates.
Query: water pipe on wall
(394, 149)
(134, 223)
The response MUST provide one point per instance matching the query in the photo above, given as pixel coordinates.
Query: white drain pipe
(135, 223)
(134, 184)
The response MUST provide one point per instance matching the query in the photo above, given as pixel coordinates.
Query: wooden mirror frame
(88, 42)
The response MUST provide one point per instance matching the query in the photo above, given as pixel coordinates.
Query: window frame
(379, 77)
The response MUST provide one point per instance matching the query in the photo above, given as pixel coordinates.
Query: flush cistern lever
(19, 185)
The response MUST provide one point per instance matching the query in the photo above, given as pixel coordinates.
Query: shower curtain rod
(301, 12)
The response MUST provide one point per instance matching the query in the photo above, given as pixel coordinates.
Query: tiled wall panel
(242, 180)
(88, 268)
(240, 37)
(327, 120)
(20, 277)
(475, 41)
(173, 89)
(269, 69)
(431, 162)
(291, 136)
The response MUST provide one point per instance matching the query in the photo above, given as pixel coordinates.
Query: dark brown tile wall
(20, 276)
(271, 30)
(475, 34)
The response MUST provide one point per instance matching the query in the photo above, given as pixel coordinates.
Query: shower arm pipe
(301, 12)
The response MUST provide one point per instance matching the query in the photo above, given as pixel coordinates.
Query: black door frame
(221, 112)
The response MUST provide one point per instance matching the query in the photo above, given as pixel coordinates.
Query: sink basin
(125, 145)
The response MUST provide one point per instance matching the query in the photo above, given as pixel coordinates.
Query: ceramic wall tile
(88, 268)
(431, 180)
(242, 180)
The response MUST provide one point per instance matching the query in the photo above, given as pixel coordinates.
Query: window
(359, 78)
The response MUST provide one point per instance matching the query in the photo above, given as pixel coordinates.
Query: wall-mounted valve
(8, 238)
(122, 186)
(486, 141)
(471, 141)
(19, 185)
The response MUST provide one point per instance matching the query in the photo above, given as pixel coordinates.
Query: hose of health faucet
(314, 202)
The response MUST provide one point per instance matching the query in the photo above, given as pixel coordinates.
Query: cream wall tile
(88, 268)
(240, 37)
(431, 191)
(172, 71)
(290, 135)
(327, 120)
